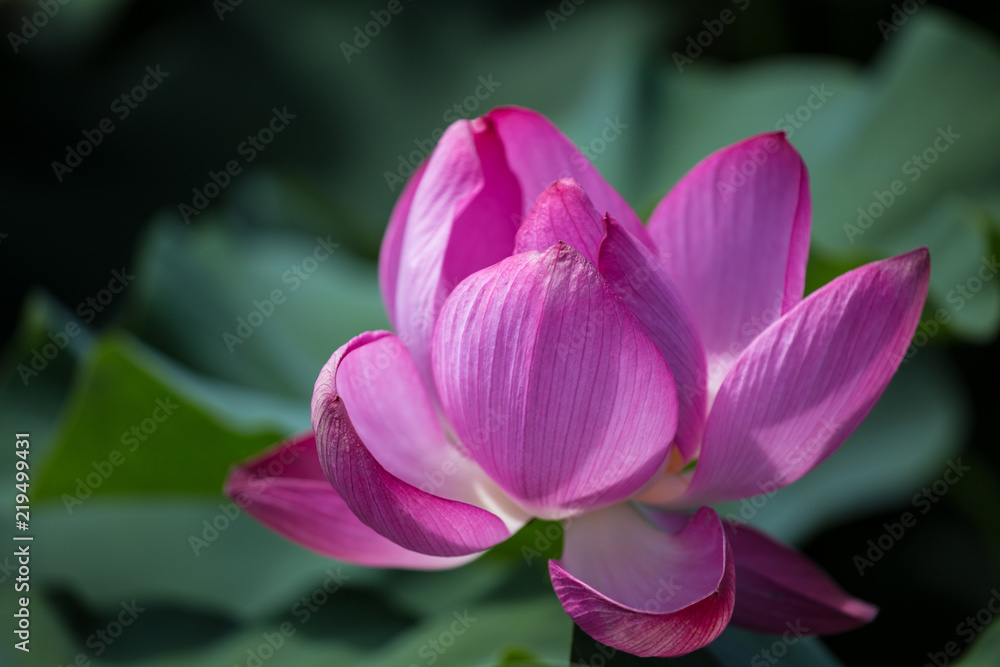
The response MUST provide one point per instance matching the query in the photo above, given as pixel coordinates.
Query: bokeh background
(151, 540)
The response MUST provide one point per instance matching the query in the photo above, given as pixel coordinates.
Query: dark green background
(324, 175)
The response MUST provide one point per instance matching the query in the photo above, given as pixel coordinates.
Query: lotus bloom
(556, 358)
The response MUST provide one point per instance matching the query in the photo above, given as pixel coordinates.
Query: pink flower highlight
(556, 358)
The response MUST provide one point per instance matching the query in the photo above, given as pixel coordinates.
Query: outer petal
(631, 585)
(413, 518)
(393, 415)
(463, 217)
(562, 213)
(640, 279)
(737, 245)
(802, 387)
(552, 384)
(778, 588)
(285, 489)
(538, 153)
(392, 243)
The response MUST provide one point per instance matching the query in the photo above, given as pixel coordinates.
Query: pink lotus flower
(555, 358)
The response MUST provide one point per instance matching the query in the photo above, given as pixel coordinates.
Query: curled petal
(285, 489)
(735, 244)
(552, 384)
(373, 482)
(803, 386)
(777, 588)
(651, 586)
(463, 216)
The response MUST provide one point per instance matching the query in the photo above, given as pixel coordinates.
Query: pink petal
(551, 383)
(463, 217)
(639, 588)
(778, 589)
(394, 417)
(395, 508)
(640, 279)
(737, 252)
(538, 154)
(285, 489)
(803, 386)
(562, 213)
(392, 243)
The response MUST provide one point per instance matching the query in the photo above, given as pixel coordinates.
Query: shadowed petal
(640, 279)
(285, 489)
(413, 518)
(736, 245)
(538, 154)
(802, 387)
(463, 217)
(778, 588)
(658, 585)
(552, 384)
(390, 252)
(393, 415)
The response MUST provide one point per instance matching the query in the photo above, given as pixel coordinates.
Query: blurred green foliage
(145, 531)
